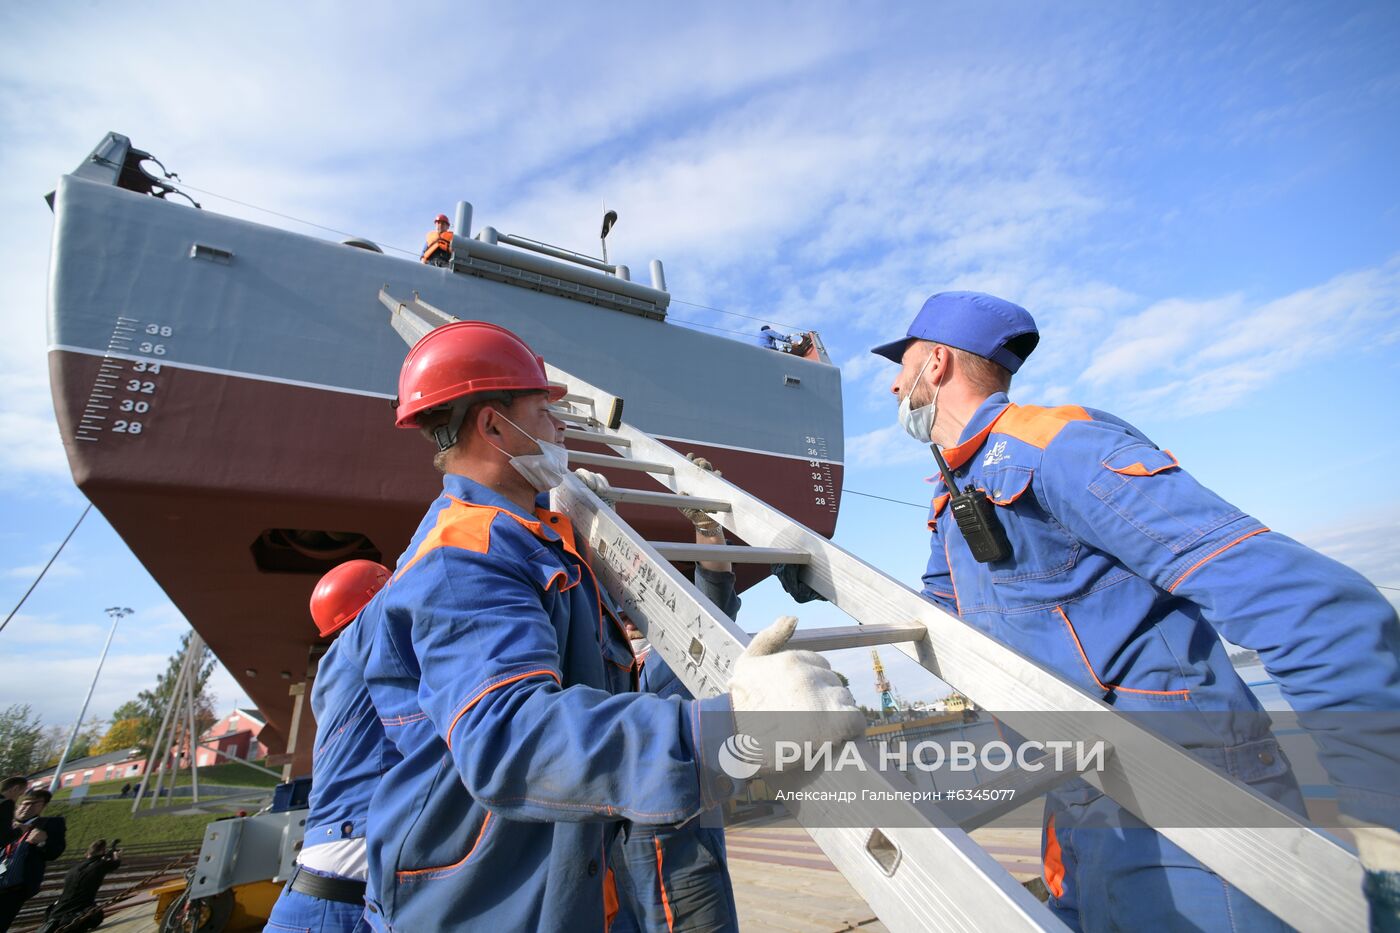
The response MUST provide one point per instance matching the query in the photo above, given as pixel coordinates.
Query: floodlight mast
(117, 613)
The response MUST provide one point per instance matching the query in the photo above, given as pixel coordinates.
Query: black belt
(344, 890)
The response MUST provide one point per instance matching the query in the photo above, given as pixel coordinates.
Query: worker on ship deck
(326, 891)
(676, 878)
(438, 251)
(1119, 572)
(509, 694)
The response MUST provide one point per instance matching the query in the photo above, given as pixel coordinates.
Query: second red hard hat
(343, 592)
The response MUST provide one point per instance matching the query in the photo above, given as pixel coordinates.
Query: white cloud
(48, 629)
(58, 570)
(1195, 356)
(31, 442)
(887, 446)
(56, 683)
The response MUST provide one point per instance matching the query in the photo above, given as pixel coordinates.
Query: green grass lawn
(227, 774)
(112, 819)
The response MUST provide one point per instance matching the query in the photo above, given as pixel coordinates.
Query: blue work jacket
(1123, 570)
(351, 751)
(508, 692)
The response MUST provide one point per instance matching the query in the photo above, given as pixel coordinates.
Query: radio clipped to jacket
(977, 519)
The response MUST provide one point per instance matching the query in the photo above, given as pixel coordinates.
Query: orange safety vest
(437, 241)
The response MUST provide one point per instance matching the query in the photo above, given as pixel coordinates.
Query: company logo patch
(740, 756)
(996, 455)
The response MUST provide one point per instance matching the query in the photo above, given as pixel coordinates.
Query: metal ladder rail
(1290, 868)
(914, 877)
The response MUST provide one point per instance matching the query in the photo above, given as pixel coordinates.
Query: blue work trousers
(299, 912)
(675, 879)
(1106, 870)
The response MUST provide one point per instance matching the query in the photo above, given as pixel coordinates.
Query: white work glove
(768, 679)
(596, 482)
(1379, 850)
(704, 522)
(1378, 846)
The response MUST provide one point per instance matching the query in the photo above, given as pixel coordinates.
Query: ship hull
(232, 417)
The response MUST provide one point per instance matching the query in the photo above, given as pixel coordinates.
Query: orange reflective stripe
(938, 504)
(459, 525)
(485, 690)
(957, 456)
(1038, 426)
(467, 525)
(1031, 424)
(1112, 688)
(1137, 469)
(1213, 554)
(401, 875)
(661, 880)
(611, 903)
(559, 522)
(1054, 861)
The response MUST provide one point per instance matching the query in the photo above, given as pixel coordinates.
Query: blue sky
(1200, 204)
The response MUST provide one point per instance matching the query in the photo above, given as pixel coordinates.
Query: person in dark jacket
(76, 909)
(10, 790)
(32, 841)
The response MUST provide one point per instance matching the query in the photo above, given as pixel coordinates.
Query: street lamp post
(117, 613)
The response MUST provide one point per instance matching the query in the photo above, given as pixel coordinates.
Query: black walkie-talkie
(976, 517)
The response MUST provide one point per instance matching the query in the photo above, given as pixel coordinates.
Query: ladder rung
(667, 499)
(576, 399)
(569, 417)
(621, 463)
(734, 553)
(854, 636)
(597, 437)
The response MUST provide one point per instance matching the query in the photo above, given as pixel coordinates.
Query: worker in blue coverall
(676, 878)
(326, 891)
(1122, 570)
(508, 691)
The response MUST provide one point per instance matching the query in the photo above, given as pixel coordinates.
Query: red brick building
(236, 735)
(126, 765)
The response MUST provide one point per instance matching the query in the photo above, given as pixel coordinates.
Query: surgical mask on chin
(543, 470)
(918, 422)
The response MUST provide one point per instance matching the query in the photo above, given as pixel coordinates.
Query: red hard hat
(442, 219)
(343, 592)
(461, 359)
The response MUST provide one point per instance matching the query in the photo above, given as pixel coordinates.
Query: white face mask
(918, 422)
(543, 470)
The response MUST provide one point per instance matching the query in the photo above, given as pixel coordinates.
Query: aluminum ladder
(917, 875)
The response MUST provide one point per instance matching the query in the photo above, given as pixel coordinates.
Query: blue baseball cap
(979, 323)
